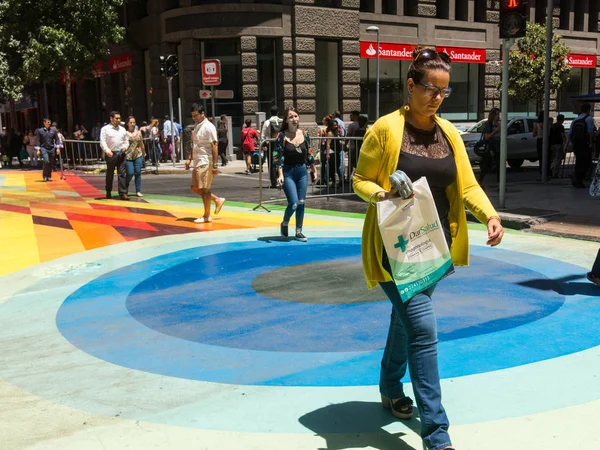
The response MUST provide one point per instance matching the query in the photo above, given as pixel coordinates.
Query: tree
(527, 66)
(41, 38)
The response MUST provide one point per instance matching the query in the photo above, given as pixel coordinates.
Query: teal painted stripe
(2, 180)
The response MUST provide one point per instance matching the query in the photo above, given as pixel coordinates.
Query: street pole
(546, 136)
(374, 29)
(506, 45)
(212, 96)
(173, 151)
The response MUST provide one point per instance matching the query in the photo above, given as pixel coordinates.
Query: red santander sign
(120, 63)
(585, 61)
(404, 52)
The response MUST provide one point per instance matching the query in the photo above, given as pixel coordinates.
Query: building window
(594, 10)
(327, 74)
(410, 8)
(463, 103)
(462, 10)
(540, 11)
(389, 7)
(480, 12)
(367, 6)
(564, 15)
(442, 8)
(579, 84)
(228, 52)
(268, 85)
(579, 15)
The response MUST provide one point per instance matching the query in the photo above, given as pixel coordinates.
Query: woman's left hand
(495, 232)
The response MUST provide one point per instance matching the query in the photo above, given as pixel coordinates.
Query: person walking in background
(249, 141)
(134, 155)
(270, 130)
(581, 134)
(351, 132)
(48, 143)
(416, 141)
(62, 156)
(558, 143)
(293, 155)
(333, 147)
(169, 130)
(223, 136)
(29, 141)
(154, 135)
(204, 155)
(490, 161)
(355, 153)
(114, 141)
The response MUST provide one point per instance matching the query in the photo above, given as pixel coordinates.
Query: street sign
(211, 72)
(224, 94)
(205, 94)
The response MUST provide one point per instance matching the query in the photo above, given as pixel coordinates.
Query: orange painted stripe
(95, 235)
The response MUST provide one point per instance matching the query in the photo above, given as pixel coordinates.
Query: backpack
(275, 126)
(579, 133)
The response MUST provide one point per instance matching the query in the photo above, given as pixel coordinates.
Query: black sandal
(402, 408)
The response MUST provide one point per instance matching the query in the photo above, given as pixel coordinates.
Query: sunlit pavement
(126, 325)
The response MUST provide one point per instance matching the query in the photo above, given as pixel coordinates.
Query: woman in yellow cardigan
(414, 140)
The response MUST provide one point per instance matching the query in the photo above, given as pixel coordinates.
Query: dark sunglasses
(431, 54)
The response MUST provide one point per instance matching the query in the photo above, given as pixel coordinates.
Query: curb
(518, 221)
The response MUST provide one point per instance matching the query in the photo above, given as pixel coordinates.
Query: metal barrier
(87, 158)
(334, 174)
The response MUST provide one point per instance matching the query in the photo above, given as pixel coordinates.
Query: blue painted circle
(210, 300)
(484, 335)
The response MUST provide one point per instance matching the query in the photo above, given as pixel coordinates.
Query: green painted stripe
(320, 212)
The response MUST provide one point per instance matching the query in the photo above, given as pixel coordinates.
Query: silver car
(521, 143)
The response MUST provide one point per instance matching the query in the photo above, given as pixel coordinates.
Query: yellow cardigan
(379, 159)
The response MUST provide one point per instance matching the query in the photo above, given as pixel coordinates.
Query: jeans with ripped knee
(295, 184)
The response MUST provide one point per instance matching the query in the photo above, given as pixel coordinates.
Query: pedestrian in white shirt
(113, 142)
(270, 130)
(204, 155)
(170, 129)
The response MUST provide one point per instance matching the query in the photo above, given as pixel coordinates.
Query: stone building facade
(318, 55)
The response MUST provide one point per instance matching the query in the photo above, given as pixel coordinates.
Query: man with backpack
(270, 130)
(581, 135)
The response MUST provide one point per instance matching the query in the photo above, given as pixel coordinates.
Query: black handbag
(481, 147)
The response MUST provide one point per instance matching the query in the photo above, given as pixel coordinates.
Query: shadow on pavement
(564, 286)
(357, 425)
(269, 239)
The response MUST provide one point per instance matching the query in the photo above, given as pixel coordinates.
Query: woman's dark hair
(285, 125)
(426, 59)
(248, 123)
(540, 117)
(492, 112)
(128, 119)
(331, 124)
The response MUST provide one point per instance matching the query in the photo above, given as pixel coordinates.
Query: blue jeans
(134, 167)
(412, 341)
(48, 155)
(295, 184)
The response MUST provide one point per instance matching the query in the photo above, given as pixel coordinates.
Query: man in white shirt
(204, 155)
(270, 130)
(114, 142)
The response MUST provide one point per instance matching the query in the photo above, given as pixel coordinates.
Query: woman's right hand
(385, 195)
(280, 180)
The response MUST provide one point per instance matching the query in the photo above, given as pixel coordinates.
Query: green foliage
(527, 66)
(40, 38)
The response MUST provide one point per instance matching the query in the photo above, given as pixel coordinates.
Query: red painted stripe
(83, 188)
(110, 221)
(15, 209)
(109, 207)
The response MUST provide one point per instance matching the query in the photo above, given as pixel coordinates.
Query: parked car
(521, 143)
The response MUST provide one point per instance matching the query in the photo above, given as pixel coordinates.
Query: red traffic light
(511, 3)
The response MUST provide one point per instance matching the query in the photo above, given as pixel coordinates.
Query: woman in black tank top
(292, 155)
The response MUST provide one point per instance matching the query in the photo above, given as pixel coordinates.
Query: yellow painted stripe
(19, 245)
(56, 242)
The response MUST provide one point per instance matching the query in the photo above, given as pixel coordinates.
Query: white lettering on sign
(472, 56)
(581, 61)
(391, 53)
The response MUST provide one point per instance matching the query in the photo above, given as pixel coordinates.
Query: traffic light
(163, 66)
(513, 18)
(172, 66)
